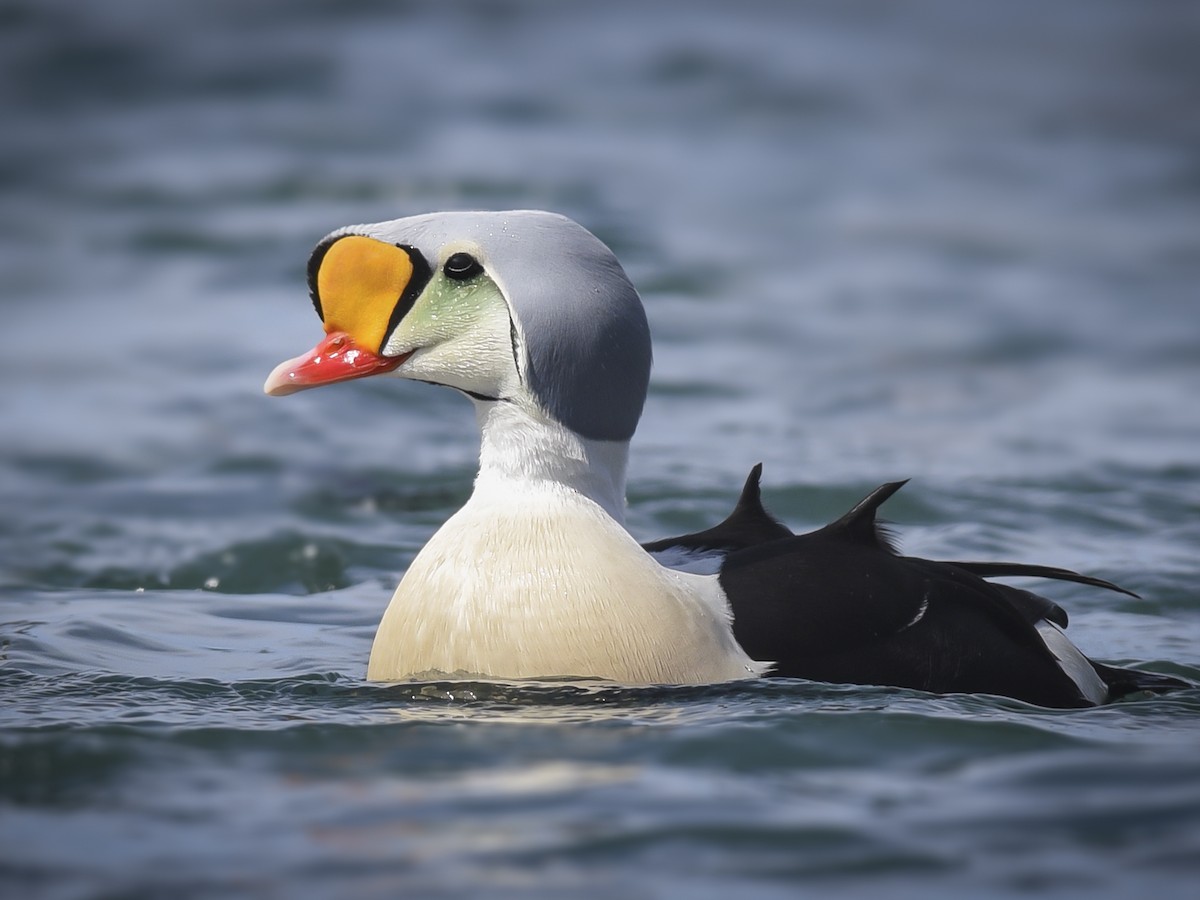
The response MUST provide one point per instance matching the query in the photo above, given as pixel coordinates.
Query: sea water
(958, 243)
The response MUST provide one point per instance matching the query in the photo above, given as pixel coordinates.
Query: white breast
(542, 582)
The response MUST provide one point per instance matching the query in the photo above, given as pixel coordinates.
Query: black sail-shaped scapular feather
(860, 523)
(749, 524)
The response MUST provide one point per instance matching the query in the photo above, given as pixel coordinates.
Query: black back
(841, 605)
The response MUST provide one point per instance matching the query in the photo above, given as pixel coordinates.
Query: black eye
(461, 266)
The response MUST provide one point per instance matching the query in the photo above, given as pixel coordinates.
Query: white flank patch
(1073, 662)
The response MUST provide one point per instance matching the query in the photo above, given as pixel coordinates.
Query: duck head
(525, 308)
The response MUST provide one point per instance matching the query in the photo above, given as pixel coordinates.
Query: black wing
(1003, 569)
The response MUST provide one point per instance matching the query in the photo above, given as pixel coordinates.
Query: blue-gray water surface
(953, 242)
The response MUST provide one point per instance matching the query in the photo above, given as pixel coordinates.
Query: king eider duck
(531, 316)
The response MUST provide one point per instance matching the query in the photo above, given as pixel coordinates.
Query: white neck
(519, 446)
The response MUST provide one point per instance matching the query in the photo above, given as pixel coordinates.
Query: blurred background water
(953, 242)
